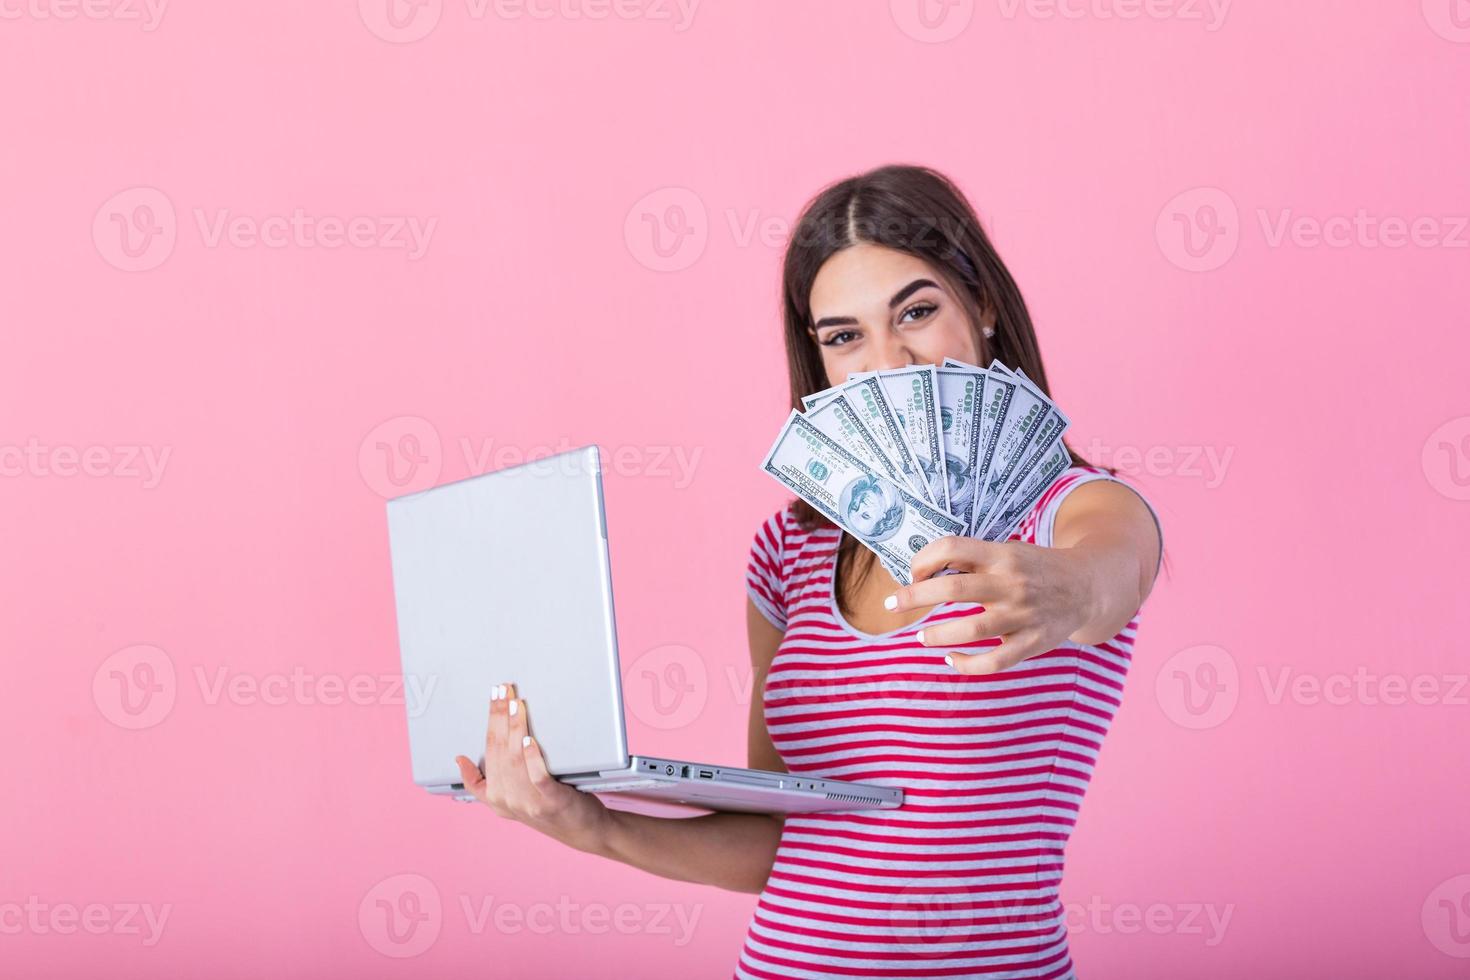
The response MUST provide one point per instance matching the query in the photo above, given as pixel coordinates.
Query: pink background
(1325, 545)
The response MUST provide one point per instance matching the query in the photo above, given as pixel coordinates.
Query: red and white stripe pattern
(962, 880)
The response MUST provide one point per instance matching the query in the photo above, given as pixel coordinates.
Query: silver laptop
(505, 578)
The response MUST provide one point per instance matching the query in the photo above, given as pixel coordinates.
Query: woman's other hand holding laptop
(517, 785)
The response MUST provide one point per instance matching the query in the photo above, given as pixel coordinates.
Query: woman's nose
(891, 351)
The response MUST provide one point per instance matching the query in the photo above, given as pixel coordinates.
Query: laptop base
(732, 789)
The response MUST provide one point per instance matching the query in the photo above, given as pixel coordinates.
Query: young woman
(985, 694)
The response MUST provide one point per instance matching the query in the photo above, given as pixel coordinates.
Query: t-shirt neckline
(841, 620)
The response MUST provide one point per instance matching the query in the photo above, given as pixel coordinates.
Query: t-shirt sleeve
(764, 582)
(1071, 479)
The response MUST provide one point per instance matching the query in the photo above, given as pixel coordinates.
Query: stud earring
(989, 332)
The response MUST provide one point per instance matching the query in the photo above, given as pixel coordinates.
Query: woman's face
(874, 308)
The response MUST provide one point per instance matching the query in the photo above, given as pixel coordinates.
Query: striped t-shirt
(962, 879)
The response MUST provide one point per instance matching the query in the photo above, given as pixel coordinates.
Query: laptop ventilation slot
(848, 797)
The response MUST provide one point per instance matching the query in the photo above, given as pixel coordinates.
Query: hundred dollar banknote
(1049, 432)
(888, 518)
(912, 394)
(868, 399)
(1024, 414)
(808, 402)
(960, 392)
(835, 416)
(995, 409)
(1050, 466)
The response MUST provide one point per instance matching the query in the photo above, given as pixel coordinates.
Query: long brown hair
(921, 212)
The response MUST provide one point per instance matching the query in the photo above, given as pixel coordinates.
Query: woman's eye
(921, 311)
(835, 341)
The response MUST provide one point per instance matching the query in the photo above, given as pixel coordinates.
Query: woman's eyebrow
(909, 290)
(898, 297)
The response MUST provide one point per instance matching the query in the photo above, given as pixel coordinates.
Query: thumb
(470, 775)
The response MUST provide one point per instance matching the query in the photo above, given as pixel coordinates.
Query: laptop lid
(505, 577)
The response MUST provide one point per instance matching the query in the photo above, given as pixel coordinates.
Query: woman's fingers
(543, 785)
(516, 788)
(952, 551)
(978, 587)
(515, 776)
(992, 622)
(500, 760)
(541, 777)
(495, 732)
(1013, 648)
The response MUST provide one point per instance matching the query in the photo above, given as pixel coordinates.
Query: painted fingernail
(891, 603)
(919, 636)
(513, 708)
(525, 740)
(949, 660)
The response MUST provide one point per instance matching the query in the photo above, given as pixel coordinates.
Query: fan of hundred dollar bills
(898, 458)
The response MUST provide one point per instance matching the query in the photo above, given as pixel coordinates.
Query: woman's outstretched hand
(516, 784)
(1035, 599)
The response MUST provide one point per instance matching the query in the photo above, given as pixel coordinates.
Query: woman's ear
(987, 336)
